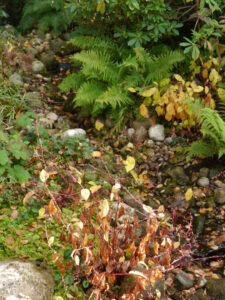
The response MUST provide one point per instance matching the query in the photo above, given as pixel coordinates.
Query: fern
(213, 128)
(108, 71)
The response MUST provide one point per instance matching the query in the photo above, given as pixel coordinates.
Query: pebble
(73, 132)
(203, 182)
(130, 133)
(183, 278)
(52, 116)
(156, 132)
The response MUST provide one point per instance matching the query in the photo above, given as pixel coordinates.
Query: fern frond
(114, 96)
(100, 62)
(88, 93)
(72, 82)
(159, 67)
(200, 148)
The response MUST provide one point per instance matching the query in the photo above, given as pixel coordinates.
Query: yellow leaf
(41, 213)
(176, 245)
(149, 93)
(85, 194)
(160, 111)
(99, 125)
(77, 260)
(101, 7)
(51, 241)
(170, 112)
(143, 111)
(132, 90)
(95, 188)
(206, 89)
(44, 176)
(164, 81)
(205, 73)
(189, 194)
(198, 89)
(57, 298)
(104, 208)
(96, 154)
(129, 163)
(178, 78)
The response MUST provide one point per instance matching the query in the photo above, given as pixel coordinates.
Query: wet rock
(52, 116)
(220, 195)
(109, 123)
(156, 133)
(16, 79)
(73, 133)
(184, 279)
(37, 67)
(49, 60)
(140, 134)
(56, 45)
(130, 133)
(25, 280)
(179, 175)
(203, 172)
(203, 182)
(137, 124)
(215, 288)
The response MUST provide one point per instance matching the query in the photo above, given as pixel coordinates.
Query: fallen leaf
(85, 194)
(129, 163)
(27, 197)
(188, 194)
(44, 176)
(95, 188)
(51, 241)
(104, 208)
(96, 154)
(98, 125)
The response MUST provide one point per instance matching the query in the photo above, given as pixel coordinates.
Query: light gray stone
(168, 140)
(156, 133)
(183, 278)
(37, 67)
(140, 134)
(203, 181)
(16, 79)
(130, 133)
(73, 133)
(150, 143)
(52, 116)
(20, 280)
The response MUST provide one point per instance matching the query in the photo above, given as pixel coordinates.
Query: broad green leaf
(19, 173)
(3, 137)
(4, 159)
(17, 152)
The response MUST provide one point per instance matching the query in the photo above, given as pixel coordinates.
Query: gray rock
(37, 67)
(183, 278)
(168, 140)
(128, 211)
(109, 123)
(63, 123)
(49, 60)
(73, 133)
(34, 99)
(16, 79)
(130, 133)
(216, 288)
(220, 196)
(156, 133)
(203, 181)
(203, 172)
(140, 134)
(179, 175)
(52, 116)
(137, 124)
(150, 143)
(21, 280)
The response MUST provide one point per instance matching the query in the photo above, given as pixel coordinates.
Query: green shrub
(46, 15)
(110, 75)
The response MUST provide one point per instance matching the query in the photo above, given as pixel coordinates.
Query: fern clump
(212, 128)
(46, 15)
(108, 72)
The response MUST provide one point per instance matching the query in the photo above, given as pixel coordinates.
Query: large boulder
(25, 280)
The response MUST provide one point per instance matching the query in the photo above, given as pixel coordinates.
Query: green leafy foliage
(50, 15)
(13, 157)
(109, 71)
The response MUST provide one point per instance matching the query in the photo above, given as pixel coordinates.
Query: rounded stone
(156, 133)
(37, 67)
(52, 116)
(203, 182)
(73, 133)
